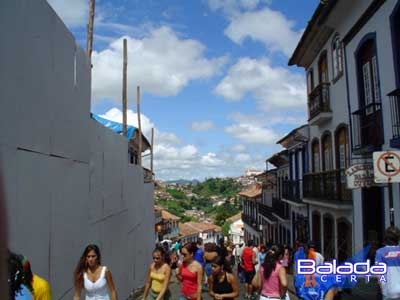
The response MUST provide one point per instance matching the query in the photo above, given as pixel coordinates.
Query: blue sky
(214, 80)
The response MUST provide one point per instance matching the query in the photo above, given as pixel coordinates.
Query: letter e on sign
(386, 166)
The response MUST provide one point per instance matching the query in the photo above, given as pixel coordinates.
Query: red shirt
(189, 282)
(247, 256)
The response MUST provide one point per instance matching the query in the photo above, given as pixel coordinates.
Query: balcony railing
(319, 102)
(367, 129)
(148, 176)
(291, 190)
(250, 221)
(394, 98)
(327, 186)
(280, 208)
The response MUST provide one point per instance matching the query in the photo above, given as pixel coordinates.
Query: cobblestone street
(174, 287)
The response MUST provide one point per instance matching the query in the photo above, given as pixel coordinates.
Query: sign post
(387, 170)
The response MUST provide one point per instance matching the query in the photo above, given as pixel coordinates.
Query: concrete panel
(132, 188)
(10, 76)
(8, 171)
(31, 235)
(115, 156)
(83, 84)
(34, 107)
(69, 222)
(115, 251)
(96, 199)
(69, 113)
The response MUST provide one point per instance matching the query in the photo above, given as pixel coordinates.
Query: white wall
(67, 179)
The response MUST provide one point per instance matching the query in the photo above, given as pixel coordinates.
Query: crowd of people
(263, 270)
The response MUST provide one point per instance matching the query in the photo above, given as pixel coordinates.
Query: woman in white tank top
(93, 278)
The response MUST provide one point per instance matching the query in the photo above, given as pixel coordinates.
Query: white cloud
(252, 134)
(239, 148)
(274, 88)
(242, 157)
(211, 160)
(161, 64)
(73, 12)
(202, 126)
(114, 114)
(234, 7)
(270, 27)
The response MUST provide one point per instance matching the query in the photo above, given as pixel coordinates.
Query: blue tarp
(115, 126)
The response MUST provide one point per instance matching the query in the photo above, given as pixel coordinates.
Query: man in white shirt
(319, 259)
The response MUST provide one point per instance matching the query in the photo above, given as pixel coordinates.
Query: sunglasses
(156, 258)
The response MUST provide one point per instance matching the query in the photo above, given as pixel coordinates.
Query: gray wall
(67, 179)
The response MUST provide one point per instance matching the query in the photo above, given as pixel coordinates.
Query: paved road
(362, 291)
(175, 291)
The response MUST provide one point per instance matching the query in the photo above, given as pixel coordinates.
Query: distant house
(170, 225)
(236, 232)
(191, 231)
(251, 199)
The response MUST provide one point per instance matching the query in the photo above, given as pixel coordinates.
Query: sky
(213, 74)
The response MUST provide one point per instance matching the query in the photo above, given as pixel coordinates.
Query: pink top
(285, 259)
(189, 282)
(271, 287)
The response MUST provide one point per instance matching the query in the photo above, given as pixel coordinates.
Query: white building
(236, 231)
(350, 51)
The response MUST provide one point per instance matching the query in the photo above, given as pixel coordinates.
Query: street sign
(360, 176)
(386, 166)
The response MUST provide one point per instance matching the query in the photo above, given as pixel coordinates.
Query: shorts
(248, 276)
(153, 295)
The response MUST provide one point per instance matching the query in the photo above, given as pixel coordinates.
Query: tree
(226, 228)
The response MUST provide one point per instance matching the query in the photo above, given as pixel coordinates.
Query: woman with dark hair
(93, 278)
(272, 278)
(158, 277)
(18, 287)
(190, 273)
(211, 251)
(223, 284)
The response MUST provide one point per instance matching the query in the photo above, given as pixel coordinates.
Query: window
(310, 81)
(327, 152)
(342, 148)
(368, 76)
(337, 57)
(323, 69)
(395, 25)
(315, 157)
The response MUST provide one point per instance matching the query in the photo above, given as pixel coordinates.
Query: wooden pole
(124, 80)
(89, 45)
(140, 128)
(151, 150)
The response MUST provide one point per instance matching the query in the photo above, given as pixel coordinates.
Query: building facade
(350, 52)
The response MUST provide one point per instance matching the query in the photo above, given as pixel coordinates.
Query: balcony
(250, 221)
(367, 129)
(148, 176)
(394, 98)
(291, 190)
(280, 208)
(319, 105)
(266, 211)
(327, 186)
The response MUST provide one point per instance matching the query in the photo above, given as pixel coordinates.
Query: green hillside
(202, 196)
